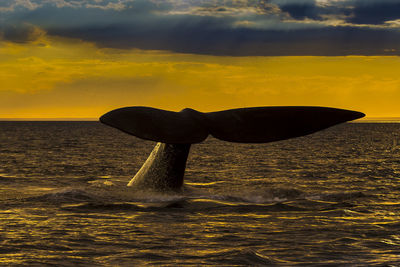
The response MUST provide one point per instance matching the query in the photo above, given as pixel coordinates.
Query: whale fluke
(244, 125)
(176, 131)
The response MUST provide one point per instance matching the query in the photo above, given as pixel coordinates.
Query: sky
(82, 58)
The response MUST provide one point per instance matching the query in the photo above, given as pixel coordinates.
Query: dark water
(331, 198)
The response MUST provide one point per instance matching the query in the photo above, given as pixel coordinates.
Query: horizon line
(49, 119)
(365, 119)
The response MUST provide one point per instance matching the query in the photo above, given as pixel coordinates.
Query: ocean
(330, 198)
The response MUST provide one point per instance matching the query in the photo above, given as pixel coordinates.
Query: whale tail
(176, 131)
(243, 125)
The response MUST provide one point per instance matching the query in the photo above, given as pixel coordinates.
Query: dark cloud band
(375, 12)
(200, 39)
(23, 33)
(293, 28)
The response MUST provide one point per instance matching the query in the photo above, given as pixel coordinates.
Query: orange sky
(64, 78)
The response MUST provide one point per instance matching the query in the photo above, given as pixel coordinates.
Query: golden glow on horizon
(61, 78)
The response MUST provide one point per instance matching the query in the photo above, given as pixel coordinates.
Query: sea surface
(330, 198)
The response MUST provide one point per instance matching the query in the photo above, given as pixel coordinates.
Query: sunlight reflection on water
(331, 197)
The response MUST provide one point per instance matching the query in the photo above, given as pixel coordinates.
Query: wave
(98, 196)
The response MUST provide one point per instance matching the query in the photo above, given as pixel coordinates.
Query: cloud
(301, 9)
(315, 9)
(201, 36)
(12, 5)
(375, 12)
(23, 33)
(238, 28)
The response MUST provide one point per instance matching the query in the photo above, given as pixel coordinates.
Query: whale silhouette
(175, 132)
